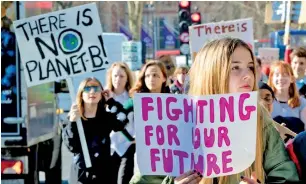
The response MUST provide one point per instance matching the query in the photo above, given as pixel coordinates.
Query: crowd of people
(222, 66)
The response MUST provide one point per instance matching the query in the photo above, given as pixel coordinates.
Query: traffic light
(195, 18)
(184, 23)
(61, 87)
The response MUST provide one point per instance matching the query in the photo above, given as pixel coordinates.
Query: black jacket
(97, 132)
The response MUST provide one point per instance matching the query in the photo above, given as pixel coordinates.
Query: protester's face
(267, 99)
(258, 72)
(281, 80)
(119, 78)
(92, 93)
(181, 77)
(298, 65)
(241, 77)
(154, 78)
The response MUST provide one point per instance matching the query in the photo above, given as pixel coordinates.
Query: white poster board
(61, 44)
(204, 33)
(216, 135)
(268, 55)
(131, 54)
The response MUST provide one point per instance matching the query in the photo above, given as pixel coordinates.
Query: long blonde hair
(125, 67)
(294, 100)
(79, 98)
(209, 75)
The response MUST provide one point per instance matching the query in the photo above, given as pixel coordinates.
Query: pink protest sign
(215, 134)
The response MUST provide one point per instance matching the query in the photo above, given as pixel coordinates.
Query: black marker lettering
(23, 29)
(65, 67)
(78, 18)
(61, 20)
(33, 28)
(93, 56)
(41, 25)
(39, 41)
(52, 21)
(90, 21)
(32, 69)
(73, 64)
(82, 60)
(50, 64)
(40, 73)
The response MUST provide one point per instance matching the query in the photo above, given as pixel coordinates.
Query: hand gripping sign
(216, 135)
(60, 45)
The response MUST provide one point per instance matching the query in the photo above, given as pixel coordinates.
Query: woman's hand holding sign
(189, 177)
(108, 94)
(74, 113)
(252, 180)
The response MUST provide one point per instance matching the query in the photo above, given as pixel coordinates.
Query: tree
(60, 5)
(135, 9)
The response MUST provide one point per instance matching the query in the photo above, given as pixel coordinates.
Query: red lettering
(231, 28)
(207, 29)
(217, 28)
(199, 29)
(244, 27)
(224, 28)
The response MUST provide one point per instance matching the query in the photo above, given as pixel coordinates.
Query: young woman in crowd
(119, 82)
(287, 104)
(90, 106)
(298, 64)
(228, 66)
(178, 85)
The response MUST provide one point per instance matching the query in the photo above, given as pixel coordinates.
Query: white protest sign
(204, 33)
(131, 54)
(268, 55)
(216, 135)
(61, 44)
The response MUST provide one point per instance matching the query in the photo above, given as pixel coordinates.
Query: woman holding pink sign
(228, 66)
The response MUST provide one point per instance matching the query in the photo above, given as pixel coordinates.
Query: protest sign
(61, 44)
(131, 54)
(204, 33)
(268, 55)
(216, 134)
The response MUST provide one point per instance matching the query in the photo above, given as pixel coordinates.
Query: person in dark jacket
(178, 85)
(90, 106)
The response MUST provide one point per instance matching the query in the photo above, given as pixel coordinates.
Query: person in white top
(120, 81)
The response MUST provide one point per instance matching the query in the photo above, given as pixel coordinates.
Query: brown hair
(294, 100)
(298, 52)
(180, 70)
(209, 75)
(124, 66)
(140, 86)
(169, 64)
(79, 98)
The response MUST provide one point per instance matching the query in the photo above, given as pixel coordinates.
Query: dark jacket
(177, 88)
(97, 132)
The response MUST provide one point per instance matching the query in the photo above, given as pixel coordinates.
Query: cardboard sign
(131, 54)
(204, 33)
(268, 55)
(216, 135)
(61, 44)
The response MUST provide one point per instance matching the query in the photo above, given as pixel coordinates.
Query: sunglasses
(96, 89)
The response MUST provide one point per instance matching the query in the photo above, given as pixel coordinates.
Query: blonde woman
(119, 82)
(228, 66)
(91, 102)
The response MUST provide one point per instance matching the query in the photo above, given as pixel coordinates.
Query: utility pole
(287, 32)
